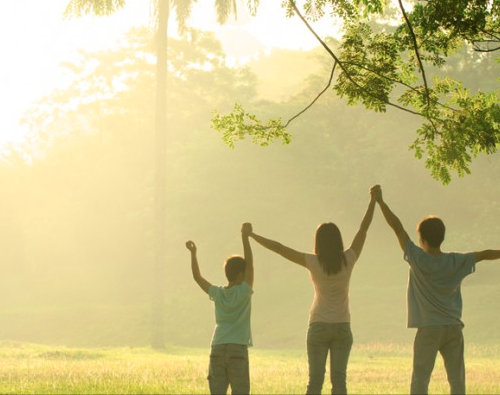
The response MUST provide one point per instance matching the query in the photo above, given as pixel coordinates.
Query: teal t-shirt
(232, 314)
(434, 296)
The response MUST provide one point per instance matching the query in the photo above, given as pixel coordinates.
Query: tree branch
(417, 54)
(316, 99)
(478, 49)
(415, 47)
(495, 37)
(337, 60)
(381, 76)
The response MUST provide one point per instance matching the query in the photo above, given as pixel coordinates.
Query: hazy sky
(34, 39)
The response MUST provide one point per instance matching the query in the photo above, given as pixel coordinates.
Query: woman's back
(331, 292)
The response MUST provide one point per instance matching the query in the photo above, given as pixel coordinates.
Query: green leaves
(97, 7)
(457, 131)
(369, 67)
(368, 7)
(239, 124)
(401, 61)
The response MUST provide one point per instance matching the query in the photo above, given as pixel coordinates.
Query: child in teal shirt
(232, 335)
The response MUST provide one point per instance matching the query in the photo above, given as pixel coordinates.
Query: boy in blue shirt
(232, 335)
(434, 298)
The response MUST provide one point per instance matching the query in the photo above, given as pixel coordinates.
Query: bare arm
(359, 240)
(392, 220)
(195, 268)
(286, 252)
(487, 255)
(247, 252)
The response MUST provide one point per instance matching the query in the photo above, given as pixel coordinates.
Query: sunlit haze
(78, 221)
(35, 39)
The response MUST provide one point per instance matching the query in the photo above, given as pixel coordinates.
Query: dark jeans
(449, 341)
(229, 367)
(321, 338)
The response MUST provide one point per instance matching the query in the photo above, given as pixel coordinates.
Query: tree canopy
(395, 54)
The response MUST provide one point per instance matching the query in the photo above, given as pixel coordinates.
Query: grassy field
(374, 369)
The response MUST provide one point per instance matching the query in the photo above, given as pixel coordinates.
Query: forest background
(76, 201)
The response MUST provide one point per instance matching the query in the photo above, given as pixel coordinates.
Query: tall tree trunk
(158, 307)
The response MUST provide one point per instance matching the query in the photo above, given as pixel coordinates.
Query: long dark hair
(329, 248)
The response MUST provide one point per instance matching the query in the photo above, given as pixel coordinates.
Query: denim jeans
(229, 367)
(321, 338)
(449, 341)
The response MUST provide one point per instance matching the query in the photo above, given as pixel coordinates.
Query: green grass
(373, 369)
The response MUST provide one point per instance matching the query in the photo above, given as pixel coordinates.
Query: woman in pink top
(330, 268)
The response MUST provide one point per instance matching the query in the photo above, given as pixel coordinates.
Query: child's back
(232, 335)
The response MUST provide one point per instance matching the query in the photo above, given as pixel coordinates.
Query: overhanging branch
(315, 99)
(341, 65)
(415, 47)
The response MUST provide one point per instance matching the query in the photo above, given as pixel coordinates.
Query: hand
(376, 193)
(191, 246)
(246, 229)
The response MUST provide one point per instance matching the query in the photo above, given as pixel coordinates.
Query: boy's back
(232, 314)
(434, 298)
(229, 364)
(434, 294)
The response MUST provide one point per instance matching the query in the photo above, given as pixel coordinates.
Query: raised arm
(487, 255)
(286, 252)
(195, 268)
(359, 240)
(391, 218)
(246, 229)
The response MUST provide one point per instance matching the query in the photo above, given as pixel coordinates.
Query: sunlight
(35, 39)
(249, 36)
(105, 173)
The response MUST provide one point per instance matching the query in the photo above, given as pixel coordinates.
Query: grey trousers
(229, 367)
(448, 340)
(321, 339)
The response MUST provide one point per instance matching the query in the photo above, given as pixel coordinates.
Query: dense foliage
(394, 54)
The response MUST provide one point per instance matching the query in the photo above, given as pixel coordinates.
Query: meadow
(374, 369)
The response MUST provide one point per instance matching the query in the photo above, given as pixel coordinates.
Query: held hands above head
(376, 193)
(246, 229)
(191, 246)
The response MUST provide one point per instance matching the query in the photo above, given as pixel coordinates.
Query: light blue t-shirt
(434, 296)
(232, 314)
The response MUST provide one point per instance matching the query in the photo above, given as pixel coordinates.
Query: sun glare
(35, 39)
